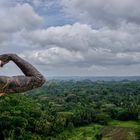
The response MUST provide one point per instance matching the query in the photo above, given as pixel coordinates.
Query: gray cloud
(101, 12)
(80, 45)
(79, 48)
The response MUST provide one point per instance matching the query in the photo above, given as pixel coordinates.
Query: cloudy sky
(72, 37)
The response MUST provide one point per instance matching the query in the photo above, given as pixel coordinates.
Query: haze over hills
(96, 78)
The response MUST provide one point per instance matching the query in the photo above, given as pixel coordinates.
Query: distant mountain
(98, 78)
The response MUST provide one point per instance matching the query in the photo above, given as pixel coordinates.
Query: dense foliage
(46, 112)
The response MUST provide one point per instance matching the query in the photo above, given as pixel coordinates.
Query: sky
(72, 37)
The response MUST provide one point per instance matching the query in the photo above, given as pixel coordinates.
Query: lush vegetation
(116, 130)
(60, 110)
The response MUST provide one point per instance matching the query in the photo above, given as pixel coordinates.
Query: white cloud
(73, 37)
(54, 56)
(79, 48)
(80, 45)
(19, 17)
(15, 19)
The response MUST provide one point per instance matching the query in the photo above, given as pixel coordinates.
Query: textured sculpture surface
(31, 79)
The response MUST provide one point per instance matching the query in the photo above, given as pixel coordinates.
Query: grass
(81, 133)
(129, 124)
(120, 130)
(116, 130)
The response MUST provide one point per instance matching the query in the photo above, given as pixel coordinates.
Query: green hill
(73, 110)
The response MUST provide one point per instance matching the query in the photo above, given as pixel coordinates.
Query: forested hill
(97, 78)
(59, 106)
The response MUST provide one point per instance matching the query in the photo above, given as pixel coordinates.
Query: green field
(81, 133)
(116, 130)
(129, 124)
